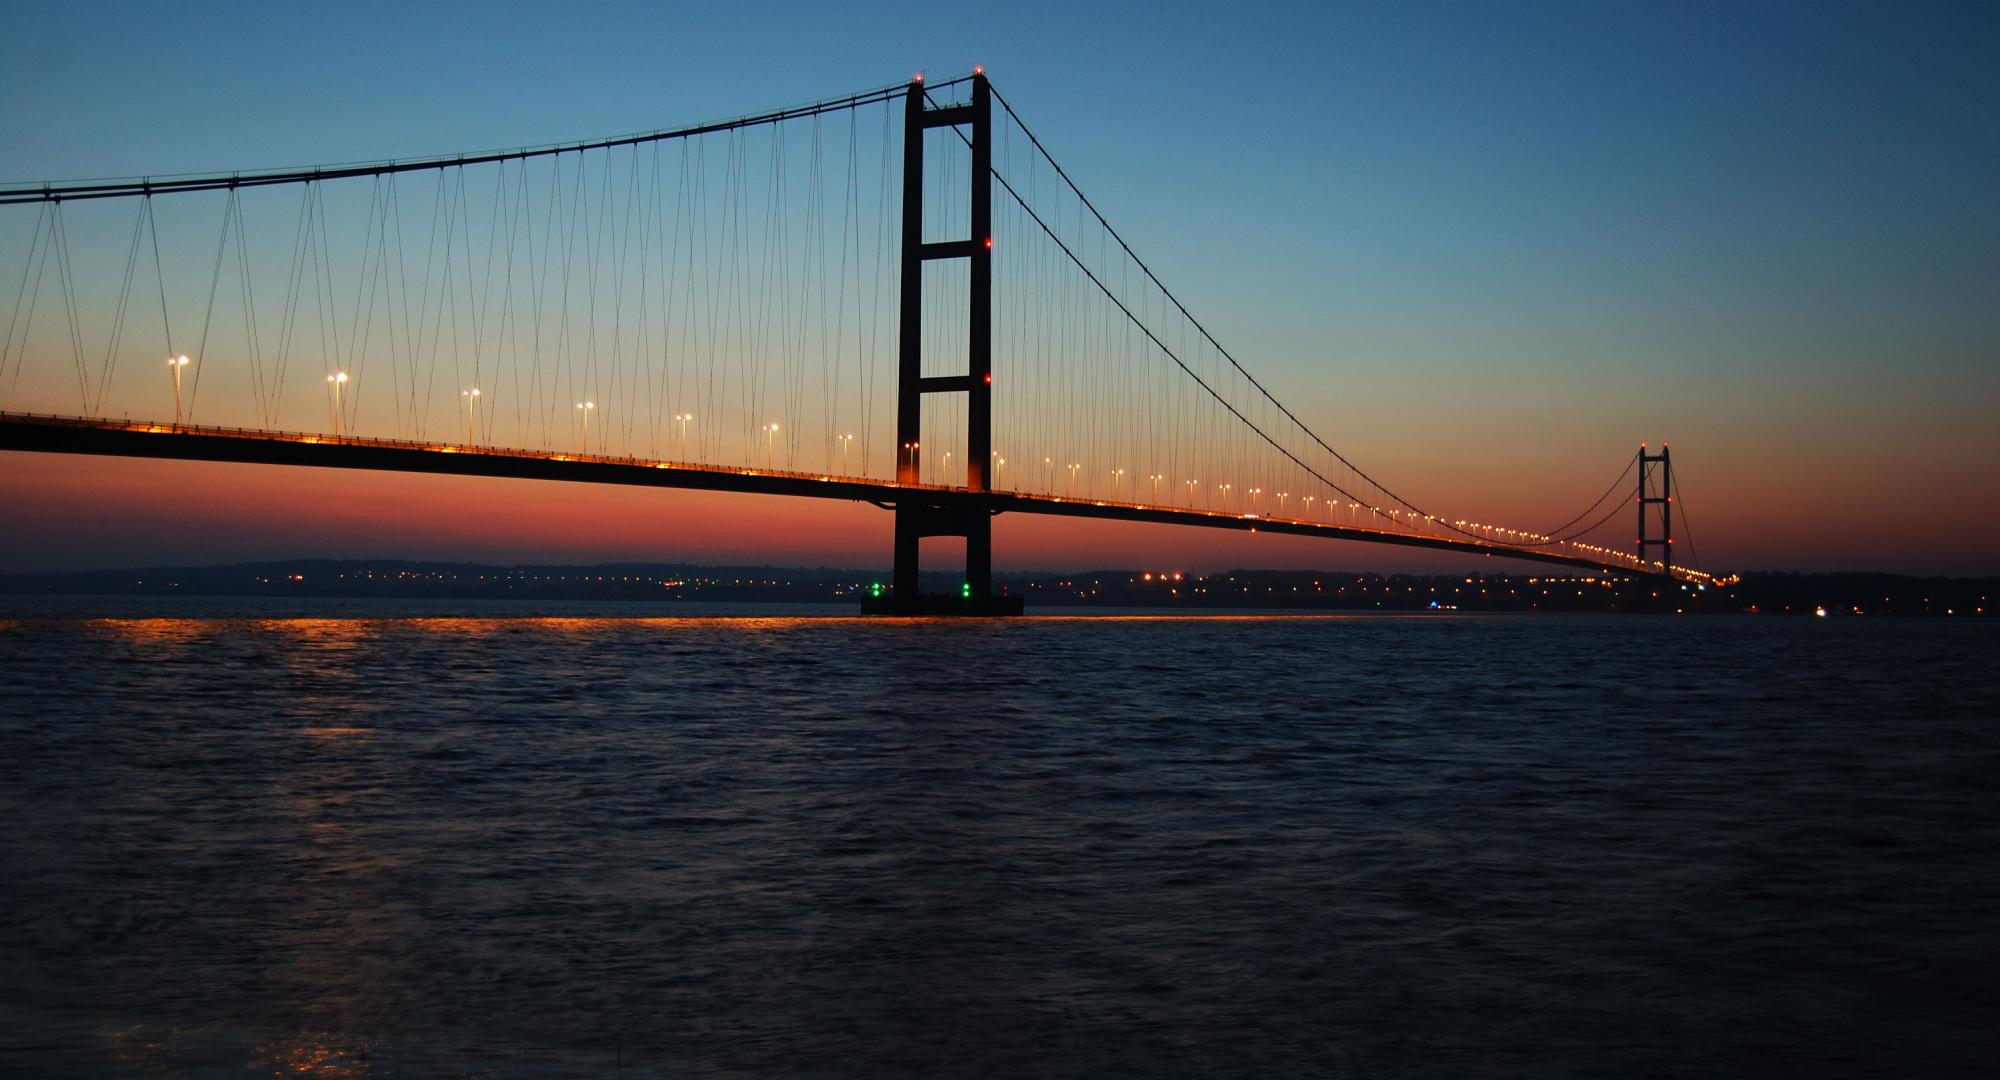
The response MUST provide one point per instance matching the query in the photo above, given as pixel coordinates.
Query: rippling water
(245, 843)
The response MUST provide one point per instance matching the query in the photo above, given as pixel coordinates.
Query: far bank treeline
(1316, 590)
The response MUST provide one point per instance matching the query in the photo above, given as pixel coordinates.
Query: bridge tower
(968, 514)
(1656, 472)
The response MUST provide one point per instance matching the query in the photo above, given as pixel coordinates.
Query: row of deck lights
(337, 383)
(1515, 535)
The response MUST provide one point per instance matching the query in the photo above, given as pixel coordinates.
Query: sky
(1488, 250)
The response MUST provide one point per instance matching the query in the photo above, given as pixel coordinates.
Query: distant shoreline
(1239, 590)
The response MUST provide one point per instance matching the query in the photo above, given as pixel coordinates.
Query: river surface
(425, 840)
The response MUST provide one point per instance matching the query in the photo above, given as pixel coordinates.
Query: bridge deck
(82, 435)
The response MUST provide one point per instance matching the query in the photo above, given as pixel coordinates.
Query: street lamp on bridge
(471, 402)
(770, 442)
(682, 418)
(337, 381)
(585, 408)
(175, 364)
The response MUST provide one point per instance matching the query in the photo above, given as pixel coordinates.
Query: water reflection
(1251, 846)
(322, 1057)
(466, 627)
(149, 1051)
(172, 1051)
(157, 631)
(322, 635)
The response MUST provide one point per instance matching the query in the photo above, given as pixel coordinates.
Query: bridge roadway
(124, 438)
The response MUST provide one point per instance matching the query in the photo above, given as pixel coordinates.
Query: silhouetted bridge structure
(686, 304)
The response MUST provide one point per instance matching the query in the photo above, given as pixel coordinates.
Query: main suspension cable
(111, 188)
(1203, 330)
(1557, 531)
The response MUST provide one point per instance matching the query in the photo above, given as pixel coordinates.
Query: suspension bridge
(897, 297)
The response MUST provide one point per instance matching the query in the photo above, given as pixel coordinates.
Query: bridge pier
(944, 513)
(969, 517)
(971, 520)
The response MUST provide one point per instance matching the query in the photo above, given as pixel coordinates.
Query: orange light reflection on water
(333, 732)
(159, 630)
(142, 1050)
(331, 634)
(339, 635)
(317, 1057)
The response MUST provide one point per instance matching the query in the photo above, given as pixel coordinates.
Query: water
(246, 842)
